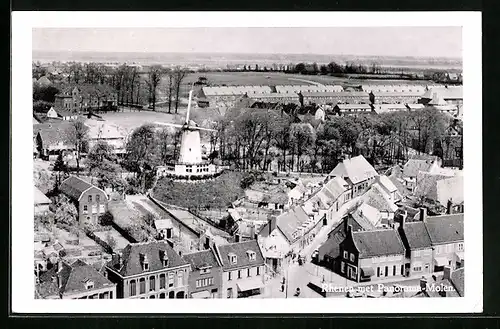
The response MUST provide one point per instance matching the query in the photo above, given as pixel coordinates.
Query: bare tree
(154, 78)
(179, 75)
(170, 88)
(77, 134)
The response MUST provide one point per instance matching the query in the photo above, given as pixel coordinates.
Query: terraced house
(205, 278)
(149, 270)
(243, 269)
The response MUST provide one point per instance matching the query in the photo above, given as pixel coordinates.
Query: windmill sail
(189, 106)
(169, 124)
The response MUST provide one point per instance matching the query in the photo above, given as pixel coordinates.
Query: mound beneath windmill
(209, 194)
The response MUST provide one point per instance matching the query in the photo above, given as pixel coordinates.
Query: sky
(360, 41)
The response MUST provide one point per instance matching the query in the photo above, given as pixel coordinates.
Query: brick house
(418, 246)
(149, 270)
(243, 269)
(372, 255)
(85, 96)
(205, 278)
(90, 201)
(357, 172)
(446, 233)
(76, 281)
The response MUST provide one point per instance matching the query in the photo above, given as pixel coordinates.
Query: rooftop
(74, 186)
(378, 243)
(445, 228)
(240, 249)
(357, 169)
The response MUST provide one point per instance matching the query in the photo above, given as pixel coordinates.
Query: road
(299, 276)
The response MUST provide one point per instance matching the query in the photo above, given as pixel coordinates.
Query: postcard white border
(22, 212)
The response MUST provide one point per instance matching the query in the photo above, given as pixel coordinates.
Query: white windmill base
(185, 171)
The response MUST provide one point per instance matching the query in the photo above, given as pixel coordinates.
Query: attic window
(251, 254)
(232, 258)
(89, 284)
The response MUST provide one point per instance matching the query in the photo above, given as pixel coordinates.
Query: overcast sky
(369, 41)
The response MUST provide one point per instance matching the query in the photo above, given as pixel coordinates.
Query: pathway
(308, 81)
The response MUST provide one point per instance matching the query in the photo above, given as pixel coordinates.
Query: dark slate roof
(72, 277)
(240, 250)
(331, 247)
(201, 259)
(417, 235)
(378, 243)
(132, 258)
(289, 221)
(74, 186)
(446, 228)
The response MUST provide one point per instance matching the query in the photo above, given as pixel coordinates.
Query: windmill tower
(190, 161)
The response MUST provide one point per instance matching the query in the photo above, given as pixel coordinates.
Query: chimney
(447, 273)
(423, 214)
(449, 205)
(423, 284)
(237, 238)
(404, 216)
(349, 229)
(346, 224)
(120, 260)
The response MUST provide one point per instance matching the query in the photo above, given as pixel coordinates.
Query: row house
(352, 109)
(433, 243)
(149, 270)
(451, 95)
(90, 201)
(205, 278)
(357, 172)
(395, 97)
(372, 255)
(243, 267)
(74, 281)
(349, 97)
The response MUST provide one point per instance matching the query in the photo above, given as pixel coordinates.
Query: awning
(460, 255)
(250, 284)
(441, 261)
(201, 294)
(367, 271)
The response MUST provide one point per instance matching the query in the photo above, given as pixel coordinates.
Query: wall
(111, 292)
(421, 258)
(178, 286)
(447, 251)
(382, 262)
(94, 208)
(215, 273)
(227, 284)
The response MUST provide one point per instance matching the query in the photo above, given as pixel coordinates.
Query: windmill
(190, 160)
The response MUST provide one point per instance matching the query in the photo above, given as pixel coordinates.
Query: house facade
(243, 268)
(90, 201)
(149, 270)
(372, 255)
(74, 281)
(205, 278)
(357, 172)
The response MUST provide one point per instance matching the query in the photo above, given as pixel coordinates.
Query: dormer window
(164, 258)
(89, 285)
(232, 258)
(145, 262)
(251, 254)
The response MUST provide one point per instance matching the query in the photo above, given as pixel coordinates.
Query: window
(205, 270)
(170, 280)
(251, 254)
(152, 283)
(402, 270)
(94, 209)
(352, 257)
(145, 266)
(162, 281)
(180, 277)
(142, 286)
(204, 282)
(258, 270)
(378, 271)
(346, 254)
(229, 292)
(417, 268)
(89, 285)
(101, 208)
(394, 270)
(97, 198)
(342, 267)
(85, 209)
(460, 247)
(90, 198)
(386, 271)
(239, 274)
(248, 272)
(233, 259)
(229, 276)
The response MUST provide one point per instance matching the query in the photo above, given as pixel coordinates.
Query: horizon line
(244, 53)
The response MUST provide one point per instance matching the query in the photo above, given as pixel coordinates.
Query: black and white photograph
(249, 162)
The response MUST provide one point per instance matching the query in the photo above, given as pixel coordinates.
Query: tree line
(132, 86)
